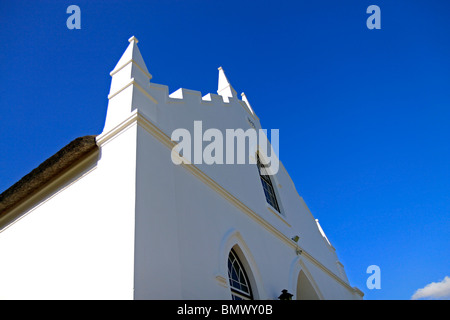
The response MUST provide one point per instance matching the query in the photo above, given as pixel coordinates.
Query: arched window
(239, 282)
(267, 185)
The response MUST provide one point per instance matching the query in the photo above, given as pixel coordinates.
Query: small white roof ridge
(322, 232)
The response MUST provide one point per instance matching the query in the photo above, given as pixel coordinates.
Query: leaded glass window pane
(269, 192)
(239, 284)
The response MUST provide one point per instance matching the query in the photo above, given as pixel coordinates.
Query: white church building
(127, 215)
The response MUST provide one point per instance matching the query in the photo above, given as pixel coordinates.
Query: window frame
(268, 188)
(237, 293)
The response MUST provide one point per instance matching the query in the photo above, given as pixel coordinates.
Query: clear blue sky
(363, 114)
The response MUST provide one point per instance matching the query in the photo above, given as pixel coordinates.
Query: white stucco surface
(130, 224)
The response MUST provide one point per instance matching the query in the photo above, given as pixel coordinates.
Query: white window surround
(238, 280)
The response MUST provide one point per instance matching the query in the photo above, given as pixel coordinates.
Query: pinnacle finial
(132, 55)
(244, 98)
(224, 88)
(133, 38)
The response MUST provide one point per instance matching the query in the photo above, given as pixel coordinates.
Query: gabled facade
(113, 217)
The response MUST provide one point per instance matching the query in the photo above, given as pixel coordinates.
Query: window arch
(269, 191)
(305, 289)
(239, 281)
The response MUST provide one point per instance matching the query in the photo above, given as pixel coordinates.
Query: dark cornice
(46, 172)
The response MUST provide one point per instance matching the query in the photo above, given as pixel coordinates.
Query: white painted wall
(185, 230)
(135, 225)
(79, 242)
